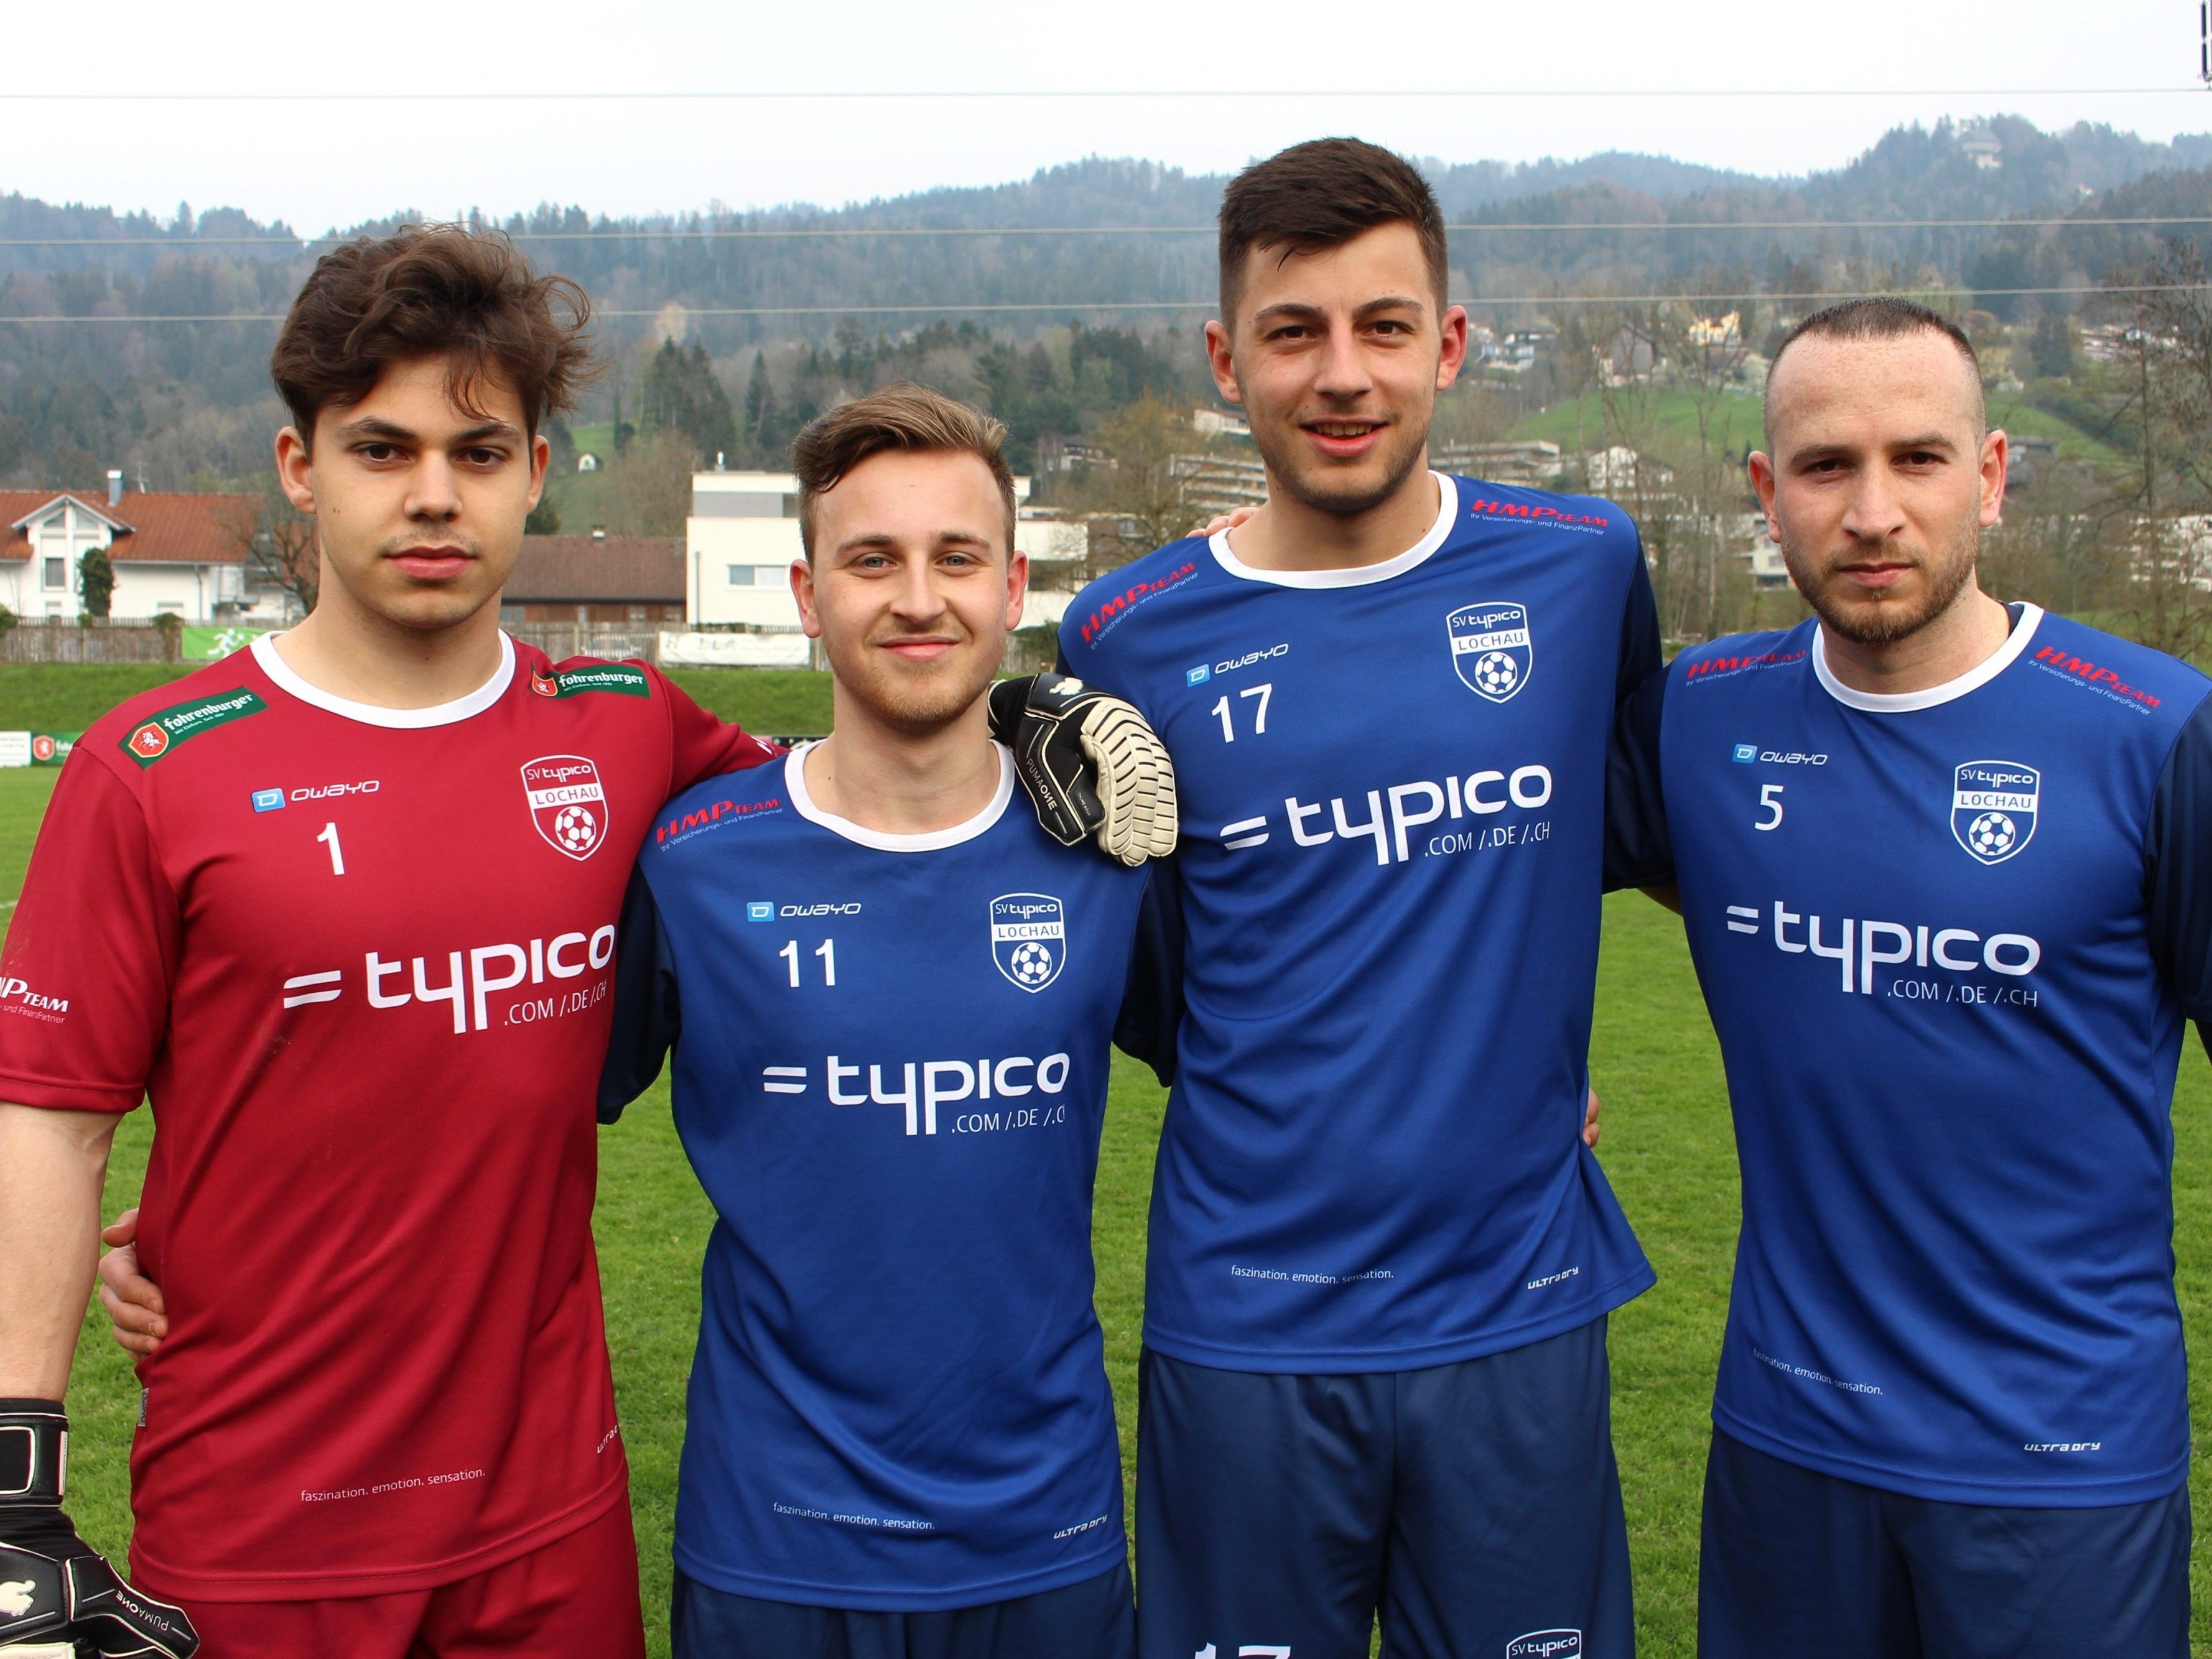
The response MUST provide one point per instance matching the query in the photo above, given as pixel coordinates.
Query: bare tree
(1135, 492)
(649, 491)
(278, 542)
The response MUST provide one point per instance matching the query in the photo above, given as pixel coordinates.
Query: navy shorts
(1089, 1620)
(1475, 1508)
(1805, 1563)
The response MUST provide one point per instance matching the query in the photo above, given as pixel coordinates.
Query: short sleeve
(647, 1014)
(705, 745)
(1150, 1017)
(2178, 867)
(1641, 654)
(91, 952)
(1639, 851)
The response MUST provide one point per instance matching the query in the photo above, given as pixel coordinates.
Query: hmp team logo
(1490, 648)
(1993, 808)
(566, 803)
(1029, 939)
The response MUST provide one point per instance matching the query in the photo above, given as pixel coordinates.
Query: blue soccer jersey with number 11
(891, 1067)
(1392, 788)
(1948, 938)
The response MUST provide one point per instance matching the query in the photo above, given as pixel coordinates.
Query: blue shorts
(1474, 1507)
(1802, 1562)
(1089, 1620)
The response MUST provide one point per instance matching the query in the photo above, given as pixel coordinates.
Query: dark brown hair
(1883, 317)
(431, 291)
(905, 417)
(1321, 194)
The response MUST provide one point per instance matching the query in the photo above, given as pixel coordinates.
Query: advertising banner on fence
(213, 644)
(36, 748)
(735, 650)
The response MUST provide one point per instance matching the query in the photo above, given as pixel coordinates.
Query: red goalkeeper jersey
(359, 960)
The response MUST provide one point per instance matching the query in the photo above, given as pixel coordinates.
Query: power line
(858, 233)
(1094, 94)
(694, 311)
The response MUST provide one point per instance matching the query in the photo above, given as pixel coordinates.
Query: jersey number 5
(1770, 802)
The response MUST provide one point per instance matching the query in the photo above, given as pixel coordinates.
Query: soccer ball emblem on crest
(1992, 834)
(576, 829)
(1029, 939)
(1497, 673)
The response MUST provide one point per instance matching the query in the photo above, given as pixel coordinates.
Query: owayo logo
(1029, 939)
(1993, 806)
(566, 803)
(1545, 1644)
(1490, 648)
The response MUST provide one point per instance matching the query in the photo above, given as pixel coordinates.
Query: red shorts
(576, 1598)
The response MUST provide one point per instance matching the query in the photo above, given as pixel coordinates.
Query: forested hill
(192, 394)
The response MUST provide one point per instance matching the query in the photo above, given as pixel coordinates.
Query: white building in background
(173, 554)
(742, 536)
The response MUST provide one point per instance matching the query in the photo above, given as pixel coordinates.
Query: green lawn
(1667, 1147)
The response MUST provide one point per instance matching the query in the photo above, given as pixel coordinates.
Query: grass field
(1667, 1147)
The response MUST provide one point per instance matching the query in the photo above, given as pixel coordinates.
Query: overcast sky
(317, 164)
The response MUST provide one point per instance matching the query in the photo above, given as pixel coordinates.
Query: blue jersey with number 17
(1393, 804)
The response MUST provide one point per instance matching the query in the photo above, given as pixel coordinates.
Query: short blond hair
(903, 416)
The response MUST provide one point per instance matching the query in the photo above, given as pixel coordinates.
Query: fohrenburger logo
(470, 977)
(1862, 944)
(566, 803)
(1478, 794)
(920, 1087)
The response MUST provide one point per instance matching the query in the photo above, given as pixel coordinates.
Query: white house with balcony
(173, 554)
(742, 536)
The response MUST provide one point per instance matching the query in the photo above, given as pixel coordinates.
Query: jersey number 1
(329, 836)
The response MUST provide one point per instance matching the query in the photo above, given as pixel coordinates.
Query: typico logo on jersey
(1480, 794)
(471, 977)
(152, 738)
(920, 1087)
(615, 677)
(1864, 945)
(1547, 1645)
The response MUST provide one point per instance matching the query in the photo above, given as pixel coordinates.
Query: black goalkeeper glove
(1091, 765)
(57, 1592)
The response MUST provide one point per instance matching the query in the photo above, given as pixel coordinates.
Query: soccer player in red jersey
(343, 906)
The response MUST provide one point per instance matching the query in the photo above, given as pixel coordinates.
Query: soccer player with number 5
(343, 906)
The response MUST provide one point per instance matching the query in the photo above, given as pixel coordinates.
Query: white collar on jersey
(443, 714)
(926, 841)
(1901, 702)
(1359, 576)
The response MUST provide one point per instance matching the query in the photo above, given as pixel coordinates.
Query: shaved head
(1884, 319)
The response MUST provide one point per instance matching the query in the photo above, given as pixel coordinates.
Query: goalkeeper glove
(55, 1589)
(1091, 765)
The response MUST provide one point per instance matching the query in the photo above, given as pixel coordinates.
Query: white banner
(735, 650)
(14, 747)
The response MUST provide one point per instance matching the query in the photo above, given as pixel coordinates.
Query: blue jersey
(1948, 939)
(1392, 787)
(891, 1068)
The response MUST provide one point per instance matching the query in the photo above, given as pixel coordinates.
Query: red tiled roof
(163, 527)
(579, 570)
